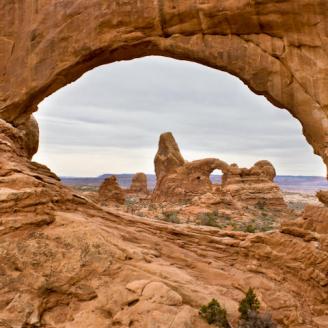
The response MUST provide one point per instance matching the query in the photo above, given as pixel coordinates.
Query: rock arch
(276, 51)
(278, 48)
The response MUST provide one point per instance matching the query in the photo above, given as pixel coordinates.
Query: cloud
(111, 118)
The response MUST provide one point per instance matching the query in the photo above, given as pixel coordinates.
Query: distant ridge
(308, 184)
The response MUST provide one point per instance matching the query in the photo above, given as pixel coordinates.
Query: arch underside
(272, 49)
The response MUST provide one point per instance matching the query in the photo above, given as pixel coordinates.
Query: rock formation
(254, 186)
(139, 184)
(110, 192)
(65, 262)
(168, 157)
(323, 197)
(289, 49)
(178, 180)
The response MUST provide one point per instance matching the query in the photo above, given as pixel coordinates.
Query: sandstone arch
(58, 246)
(276, 51)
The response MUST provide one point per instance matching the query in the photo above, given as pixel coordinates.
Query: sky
(110, 119)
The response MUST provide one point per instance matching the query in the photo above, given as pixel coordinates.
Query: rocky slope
(65, 262)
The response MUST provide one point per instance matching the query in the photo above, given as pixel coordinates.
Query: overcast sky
(109, 121)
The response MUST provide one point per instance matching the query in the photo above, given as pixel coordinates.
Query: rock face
(323, 197)
(139, 184)
(168, 158)
(110, 191)
(254, 186)
(289, 49)
(178, 180)
(30, 131)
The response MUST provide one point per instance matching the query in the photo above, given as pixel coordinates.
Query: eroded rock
(110, 191)
(183, 181)
(139, 184)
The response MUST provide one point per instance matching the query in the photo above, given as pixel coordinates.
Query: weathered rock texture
(168, 157)
(254, 186)
(139, 184)
(64, 262)
(323, 197)
(67, 263)
(179, 180)
(44, 46)
(110, 191)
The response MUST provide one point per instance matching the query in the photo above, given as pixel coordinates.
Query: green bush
(171, 217)
(248, 304)
(208, 219)
(214, 314)
(250, 228)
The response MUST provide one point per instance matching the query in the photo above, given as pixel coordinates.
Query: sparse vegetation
(171, 217)
(250, 228)
(257, 320)
(250, 317)
(249, 313)
(130, 201)
(214, 314)
(248, 304)
(208, 219)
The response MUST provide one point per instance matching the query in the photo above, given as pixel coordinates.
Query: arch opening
(216, 177)
(117, 81)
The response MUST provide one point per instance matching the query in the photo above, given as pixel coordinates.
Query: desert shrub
(208, 219)
(250, 228)
(130, 201)
(214, 314)
(257, 320)
(248, 304)
(171, 217)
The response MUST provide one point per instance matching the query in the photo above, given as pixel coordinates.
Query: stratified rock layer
(65, 262)
(254, 186)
